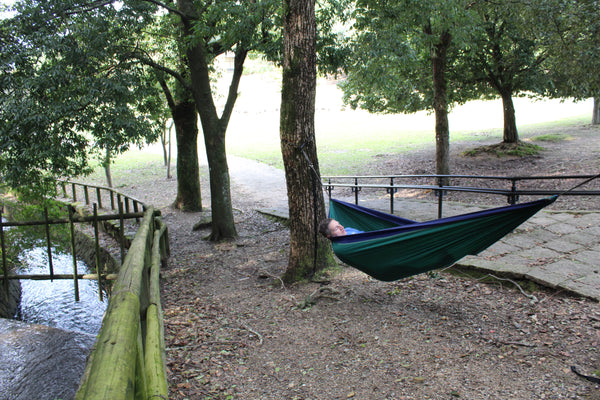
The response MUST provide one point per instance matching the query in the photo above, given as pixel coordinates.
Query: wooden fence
(98, 194)
(128, 360)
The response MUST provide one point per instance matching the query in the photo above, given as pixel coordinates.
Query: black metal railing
(439, 185)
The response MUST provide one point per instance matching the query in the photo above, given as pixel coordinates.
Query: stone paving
(560, 250)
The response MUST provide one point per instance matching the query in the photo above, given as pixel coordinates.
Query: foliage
(66, 92)
(507, 53)
(496, 51)
(390, 70)
(573, 41)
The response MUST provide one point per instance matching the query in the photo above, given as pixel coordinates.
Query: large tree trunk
(511, 135)
(188, 172)
(223, 224)
(185, 119)
(596, 113)
(440, 105)
(309, 251)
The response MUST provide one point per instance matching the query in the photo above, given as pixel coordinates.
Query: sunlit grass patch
(551, 137)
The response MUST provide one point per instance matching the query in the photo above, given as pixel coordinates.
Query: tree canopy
(494, 50)
(573, 41)
(65, 94)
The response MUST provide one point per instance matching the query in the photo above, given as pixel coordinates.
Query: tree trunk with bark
(213, 127)
(223, 225)
(106, 164)
(188, 171)
(309, 251)
(596, 113)
(164, 140)
(440, 104)
(511, 135)
(185, 119)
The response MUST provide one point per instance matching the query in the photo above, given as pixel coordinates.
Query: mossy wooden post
(115, 369)
(74, 192)
(48, 243)
(97, 251)
(3, 248)
(99, 197)
(141, 388)
(155, 344)
(74, 253)
(110, 371)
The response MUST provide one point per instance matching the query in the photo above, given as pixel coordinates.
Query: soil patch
(234, 331)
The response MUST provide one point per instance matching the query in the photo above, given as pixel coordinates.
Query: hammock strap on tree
(316, 186)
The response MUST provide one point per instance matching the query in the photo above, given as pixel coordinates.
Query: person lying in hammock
(331, 228)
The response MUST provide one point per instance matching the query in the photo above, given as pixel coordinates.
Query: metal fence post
(50, 265)
(75, 278)
(3, 246)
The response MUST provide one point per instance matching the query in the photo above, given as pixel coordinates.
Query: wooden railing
(128, 360)
(94, 194)
(102, 272)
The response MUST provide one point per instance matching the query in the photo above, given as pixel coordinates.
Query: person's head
(331, 228)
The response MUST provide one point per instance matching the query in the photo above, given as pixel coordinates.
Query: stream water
(44, 356)
(52, 303)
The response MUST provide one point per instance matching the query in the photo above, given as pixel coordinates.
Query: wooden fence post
(99, 197)
(4, 264)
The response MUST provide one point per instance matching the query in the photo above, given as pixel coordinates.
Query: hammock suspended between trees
(391, 248)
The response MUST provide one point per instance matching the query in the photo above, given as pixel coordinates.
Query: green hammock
(392, 248)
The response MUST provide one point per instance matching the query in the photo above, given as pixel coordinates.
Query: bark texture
(309, 252)
(188, 172)
(198, 60)
(440, 104)
(511, 135)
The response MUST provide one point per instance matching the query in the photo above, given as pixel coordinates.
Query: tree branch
(89, 7)
(144, 59)
(170, 9)
(167, 92)
(238, 67)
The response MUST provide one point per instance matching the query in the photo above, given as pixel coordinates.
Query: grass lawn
(347, 138)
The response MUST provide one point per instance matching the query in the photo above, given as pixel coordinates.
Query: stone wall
(9, 301)
(86, 250)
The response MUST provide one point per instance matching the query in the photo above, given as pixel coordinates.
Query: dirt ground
(235, 331)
